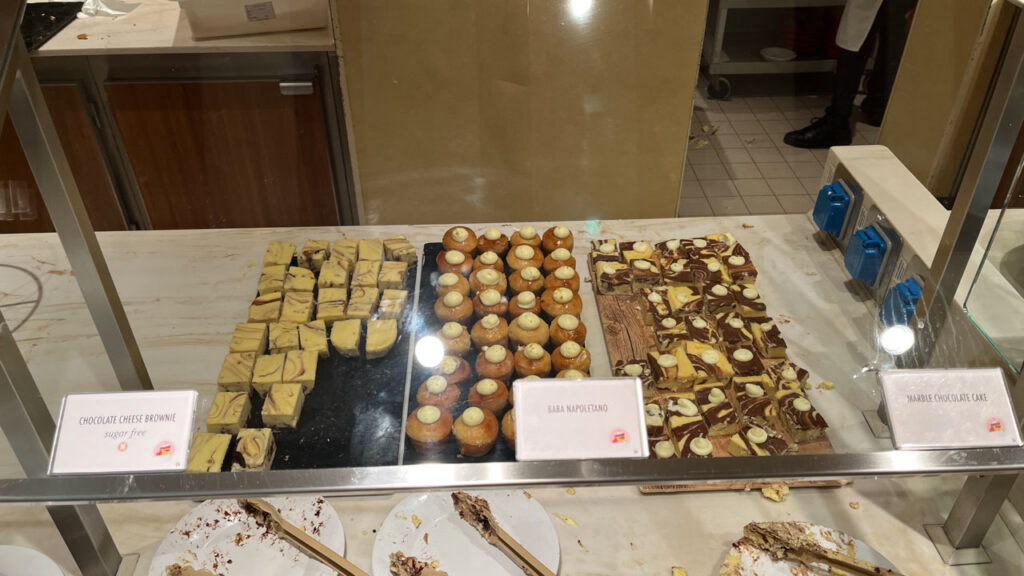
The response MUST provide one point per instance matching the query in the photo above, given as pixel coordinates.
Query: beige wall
(468, 111)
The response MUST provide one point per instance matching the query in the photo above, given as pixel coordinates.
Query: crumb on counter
(677, 571)
(571, 491)
(567, 520)
(855, 505)
(416, 521)
(776, 492)
(826, 385)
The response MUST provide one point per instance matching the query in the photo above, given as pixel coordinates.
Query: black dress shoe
(823, 132)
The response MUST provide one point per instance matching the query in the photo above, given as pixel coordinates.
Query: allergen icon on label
(122, 446)
(619, 436)
(995, 425)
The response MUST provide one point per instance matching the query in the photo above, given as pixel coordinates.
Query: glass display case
(358, 349)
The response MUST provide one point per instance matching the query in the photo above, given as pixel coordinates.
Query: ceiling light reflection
(896, 339)
(429, 351)
(580, 9)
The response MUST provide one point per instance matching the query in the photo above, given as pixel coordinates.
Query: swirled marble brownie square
(371, 250)
(655, 304)
(758, 441)
(249, 338)
(362, 303)
(633, 250)
(297, 307)
(605, 251)
(735, 329)
(613, 278)
(399, 249)
(702, 328)
(737, 262)
(269, 370)
(283, 405)
(654, 419)
(279, 253)
(669, 333)
(645, 273)
(694, 248)
(695, 271)
(668, 251)
(708, 363)
(313, 336)
(799, 418)
(720, 243)
(787, 374)
(255, 450)
(635, 369)
(685, 424)
(299, 280)
(367, 274)
(266, 307)
(392, 275)
(332, 275)
(228, 413)
(345, 252)
(272, 279)
(284, 336)
(685, 299)
(331, 305)
(313, 254)
(748, 301)
(207, 452)
(661, 447)
(744, 360)
(718, 299)
(751, 395)
(300, 368)
(672, 370)
(236, 371)
(719, 411)
(768, 339)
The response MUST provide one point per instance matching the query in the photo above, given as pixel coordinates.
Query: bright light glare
(896, 339)
(429, 351)
(580, 9)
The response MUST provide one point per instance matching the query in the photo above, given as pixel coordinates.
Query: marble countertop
(160, 27)
(184, 290)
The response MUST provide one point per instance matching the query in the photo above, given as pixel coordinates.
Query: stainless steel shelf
(392, 479)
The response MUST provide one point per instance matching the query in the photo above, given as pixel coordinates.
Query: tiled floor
(738, 164)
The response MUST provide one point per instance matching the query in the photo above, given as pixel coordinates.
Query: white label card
(123, 432)
(593, 418)
(957, 408)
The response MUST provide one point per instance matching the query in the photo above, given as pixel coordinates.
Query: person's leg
(833, 129)
(892, 38)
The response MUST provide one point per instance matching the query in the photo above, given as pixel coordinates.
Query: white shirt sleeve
(858, 16)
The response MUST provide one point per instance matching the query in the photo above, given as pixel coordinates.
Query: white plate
(219, 536)
(21, 561)
(777, 54)
(460, 549)
(755, 562)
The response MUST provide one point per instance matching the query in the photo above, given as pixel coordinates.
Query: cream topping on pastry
(562, 295)
(642, 246)
(492, 234)
(710, 356)
(641, 264)
(512, 414)
(528, 321)
(528, 232)
(530, 273)
(454, 257)
(700, 243)
(743, 355)
(451, 330)
(428, 414)
(802, 404)
(564, 272)
(606, 248)
(699, 323)
(667, 361)
(533, 351)
(473, 416)
(490, 321)
(561, 254)
(757, 435)
(687, 408)
(532, 377)
(753, 390)
(633, 369)
(460, 234)
(669, 323)
(714, 266)
(654, 298)
(716, 396)
(490, 297)
(453, 299)
(719, 290)
(788, 373)
(449, 365)
(570, 349)
(750, 293)
(568, 322)
(571, 373)
(663, 449)
(448, 279)
(488, 276)
(700, 446)
(495, 354)
(436, 384)
(735, 323)
(676, 266)
(561, 232)
(526, 299)
(672, 244)
(488, 258)
(737, 260)
(486, 387)
(524, 252)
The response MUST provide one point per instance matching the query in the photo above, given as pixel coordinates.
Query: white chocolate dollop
(710, 356)
(606, 248)
(633, 370)
(528, 321)
(700, 446)
(672, 244)
(570, 349)
(687, 408)
(743, 355)
(530, 274)
(451, 330)
(667, 361)
(654, 298)
(736, 323)
(436, 384)
(526, 299)
(486, 387)
(716, 396)
(562, 295)
(719, 290)
(488, 276)
(641, 264)
(528, 232)
(454, 257)
(676, 266)
(669, 323)
(788, 373)
(495, 354)
(753, 390)
(533, 351)
(492, 234)
(460, 234)
(653, 416)
(564, 272)
(449, 365)
(473, 416)
(448, 279)
(714, 266)
(757, 435)
(698, 323)
(488, 258)
(560, 232)
(428, 414)
(642, 246)
(663, 449)
(453, 299)
(802, 404)
(750, 293)
(700, 243)
(568, 322)
(737, 260)
(490, 297)
(490, 321)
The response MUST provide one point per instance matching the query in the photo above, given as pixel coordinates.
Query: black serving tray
(427, 324)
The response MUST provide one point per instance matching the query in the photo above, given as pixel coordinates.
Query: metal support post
(959, 539)
(57, 186)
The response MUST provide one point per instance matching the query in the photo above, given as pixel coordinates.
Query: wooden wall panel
(226, 154)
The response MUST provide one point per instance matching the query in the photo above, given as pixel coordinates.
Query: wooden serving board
(627, 338)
